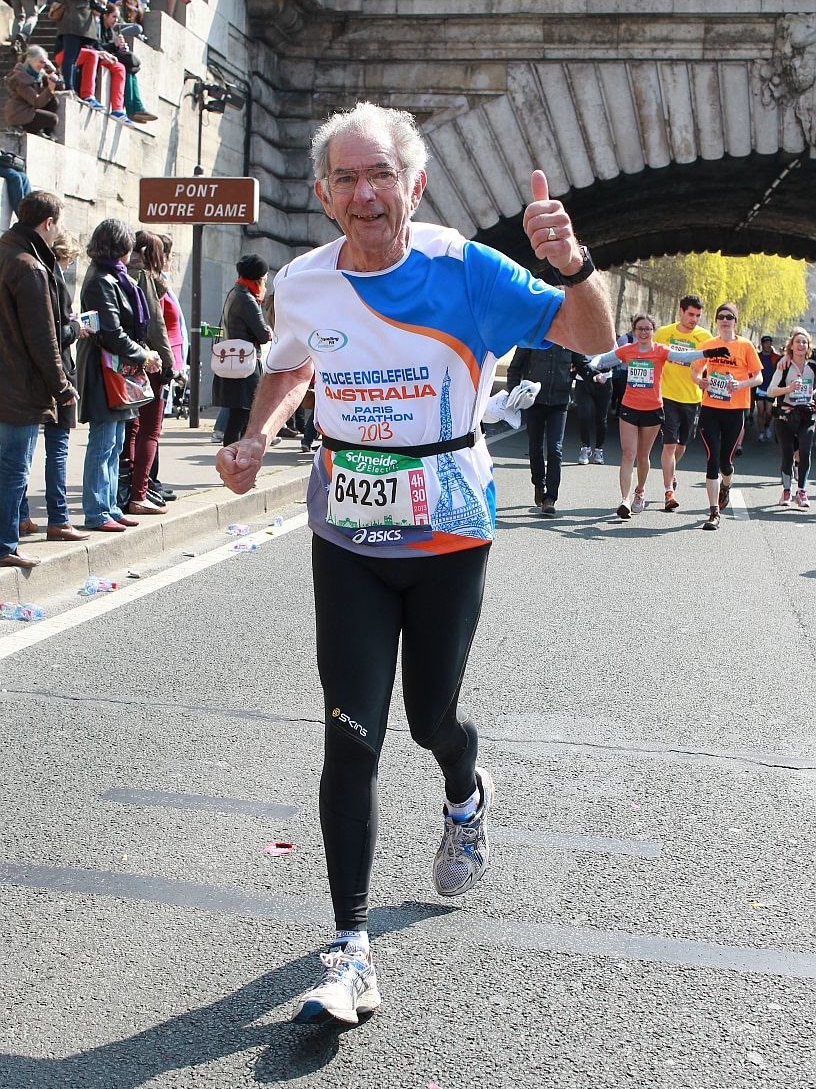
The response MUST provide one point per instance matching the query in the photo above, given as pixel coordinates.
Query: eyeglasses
(379, 177)
(644, 329)
(726, 317)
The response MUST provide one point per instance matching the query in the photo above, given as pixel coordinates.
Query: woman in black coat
(123, 321)
(243, 320)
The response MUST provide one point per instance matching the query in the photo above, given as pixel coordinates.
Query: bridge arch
(662, 132)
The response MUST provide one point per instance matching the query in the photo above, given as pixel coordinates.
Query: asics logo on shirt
(376, 536)
(327, 340)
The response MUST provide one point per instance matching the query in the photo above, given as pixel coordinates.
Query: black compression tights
(721, 431)
(363, 606)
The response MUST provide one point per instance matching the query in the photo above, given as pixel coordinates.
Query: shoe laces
(338, 963)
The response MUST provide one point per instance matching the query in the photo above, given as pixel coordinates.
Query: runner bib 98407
(719, 386)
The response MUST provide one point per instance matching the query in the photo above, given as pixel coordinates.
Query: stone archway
(661, 132)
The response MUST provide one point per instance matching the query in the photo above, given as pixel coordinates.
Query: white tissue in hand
(524, 395)
(497, 410)
(494, 410)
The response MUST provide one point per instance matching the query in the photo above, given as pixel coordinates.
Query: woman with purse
(243, 319)
(793, 383)
(124, 318)
(143, 431)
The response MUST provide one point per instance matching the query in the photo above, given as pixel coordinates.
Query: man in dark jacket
(32, 380)
(553, 367)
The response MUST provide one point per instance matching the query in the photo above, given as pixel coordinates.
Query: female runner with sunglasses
(726, 395)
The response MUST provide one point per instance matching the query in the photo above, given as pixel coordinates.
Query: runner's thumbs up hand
(549, 227)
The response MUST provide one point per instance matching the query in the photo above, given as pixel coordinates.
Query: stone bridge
(665, 126)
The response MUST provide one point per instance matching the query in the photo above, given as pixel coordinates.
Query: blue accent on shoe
(94, 103)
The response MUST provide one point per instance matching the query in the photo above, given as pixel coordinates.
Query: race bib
(378, 498)
(641, 375)
(718, 387)
(803, 395)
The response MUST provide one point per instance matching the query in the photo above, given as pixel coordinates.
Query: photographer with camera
(31, 86)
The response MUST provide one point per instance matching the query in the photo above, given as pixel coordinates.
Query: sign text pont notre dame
(198, 200)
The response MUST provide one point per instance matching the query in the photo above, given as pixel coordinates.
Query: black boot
(539, 495)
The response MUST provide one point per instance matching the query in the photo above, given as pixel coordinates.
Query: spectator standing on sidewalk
(553, 367)
(681, 395)
(243, 320)
(32, 379)
(66, 250)
(123, 322)
(143, 431)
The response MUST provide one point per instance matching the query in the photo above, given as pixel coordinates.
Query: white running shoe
(348, 987)
(639, 503)
(597, 457)
(464, 853)
(785, 501)
(802, 499)
(583, 456)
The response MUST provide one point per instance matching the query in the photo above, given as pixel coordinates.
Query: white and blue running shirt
(402, 358)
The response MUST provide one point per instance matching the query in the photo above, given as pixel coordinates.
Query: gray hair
(36, 52)
(363, 119)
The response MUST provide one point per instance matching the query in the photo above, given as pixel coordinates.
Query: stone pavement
(187, 464)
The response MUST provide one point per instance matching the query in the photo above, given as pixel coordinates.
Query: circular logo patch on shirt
(327, 340)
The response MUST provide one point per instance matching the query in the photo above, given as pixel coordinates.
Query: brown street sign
(198, 200)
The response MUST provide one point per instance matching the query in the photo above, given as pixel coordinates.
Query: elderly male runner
(402, 324)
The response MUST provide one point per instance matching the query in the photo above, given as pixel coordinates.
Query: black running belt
(427, 450)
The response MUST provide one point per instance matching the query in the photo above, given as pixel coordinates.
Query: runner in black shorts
(641, 412)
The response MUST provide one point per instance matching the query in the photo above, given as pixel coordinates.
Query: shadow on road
(235, 1023)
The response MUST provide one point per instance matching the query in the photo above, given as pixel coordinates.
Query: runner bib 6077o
(641, 374)
(371, 489)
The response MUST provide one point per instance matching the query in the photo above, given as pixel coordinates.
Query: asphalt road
(644, 691)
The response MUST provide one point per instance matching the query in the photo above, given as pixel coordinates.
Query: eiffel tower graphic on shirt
(459, 509)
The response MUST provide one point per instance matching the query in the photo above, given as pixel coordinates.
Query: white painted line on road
(95, 607)
(738, 506)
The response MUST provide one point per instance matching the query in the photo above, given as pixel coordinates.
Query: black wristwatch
(583, 273)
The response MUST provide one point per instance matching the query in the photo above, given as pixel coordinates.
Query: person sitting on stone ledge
(31, 84)
(87, 65)
(114, 42)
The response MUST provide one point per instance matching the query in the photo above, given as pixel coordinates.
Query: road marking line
(202, 803)
(549, 937)
(738, 505)
(95, 607)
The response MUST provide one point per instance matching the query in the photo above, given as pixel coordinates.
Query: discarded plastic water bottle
(277, 521)
(244, 546)
(11, 610)
(237, 530)
(97, 585)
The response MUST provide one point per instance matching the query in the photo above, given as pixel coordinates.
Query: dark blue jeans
(56, 468)
(546, 422)
(17, 444)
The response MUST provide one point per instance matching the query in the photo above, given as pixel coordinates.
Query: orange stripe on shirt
(456, 346)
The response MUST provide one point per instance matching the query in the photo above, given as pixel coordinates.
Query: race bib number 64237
(372, 489)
